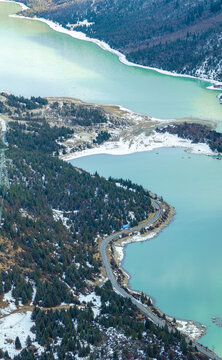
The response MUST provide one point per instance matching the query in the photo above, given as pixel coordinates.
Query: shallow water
(182, 267)
(35, 60)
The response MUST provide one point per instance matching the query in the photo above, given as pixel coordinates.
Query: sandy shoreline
(103, 45)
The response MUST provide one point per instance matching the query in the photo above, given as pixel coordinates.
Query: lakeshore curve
(106, 47)
(156, 319)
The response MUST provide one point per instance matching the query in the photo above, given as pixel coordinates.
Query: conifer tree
(17, 343)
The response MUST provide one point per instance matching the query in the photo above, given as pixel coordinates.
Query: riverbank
(122, 58)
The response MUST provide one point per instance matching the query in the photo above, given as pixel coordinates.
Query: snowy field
(17, 324)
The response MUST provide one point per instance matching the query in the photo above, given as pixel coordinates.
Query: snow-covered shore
(142, 143)
(103, 45)
(119, 248)
(24, 7)
(189, 328)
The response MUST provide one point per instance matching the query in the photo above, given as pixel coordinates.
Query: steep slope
(175, 35)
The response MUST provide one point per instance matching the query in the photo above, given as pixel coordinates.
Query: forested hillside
(197, 133)
(53, 219)
(175, 35)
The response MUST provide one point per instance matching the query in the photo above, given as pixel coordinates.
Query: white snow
(9, 304)
(119, 252)
(17, 324)
(95, 299)
(80, 23)
(34, 293)
(135, 238)
(143, 143)
(24, 213)
(132, 215)
(189, 328)
(3, 125)
(59, 215)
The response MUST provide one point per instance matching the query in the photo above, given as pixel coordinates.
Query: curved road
(122, 292)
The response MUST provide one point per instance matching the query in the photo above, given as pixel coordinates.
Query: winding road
(121, 291)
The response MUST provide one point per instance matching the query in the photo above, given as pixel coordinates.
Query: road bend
(159, 322)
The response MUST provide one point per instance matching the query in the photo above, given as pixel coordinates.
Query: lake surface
(35, 60)
(182, 268)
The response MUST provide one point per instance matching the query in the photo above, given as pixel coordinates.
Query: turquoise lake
(36, 60)
(182, 267)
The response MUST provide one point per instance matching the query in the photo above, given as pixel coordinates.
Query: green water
(181, 268)
(36, 60)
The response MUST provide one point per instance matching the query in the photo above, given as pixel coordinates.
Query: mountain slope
(54, 217)
(176, 35)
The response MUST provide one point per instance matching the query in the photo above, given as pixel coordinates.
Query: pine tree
(24, 298)
(17, 343)
(1, 287)
(6, 355)
(28, 341)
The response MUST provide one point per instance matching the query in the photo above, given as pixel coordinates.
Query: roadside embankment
(115, 255)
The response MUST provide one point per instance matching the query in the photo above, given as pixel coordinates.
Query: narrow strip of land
(122, 292)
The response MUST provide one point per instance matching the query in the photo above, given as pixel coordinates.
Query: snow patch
(18, 324)
(119, 248)
(143, 143)
(9, 304)
(59, 215)
(191, 329)
(94, 299)
(80, 23)
(25, 214)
